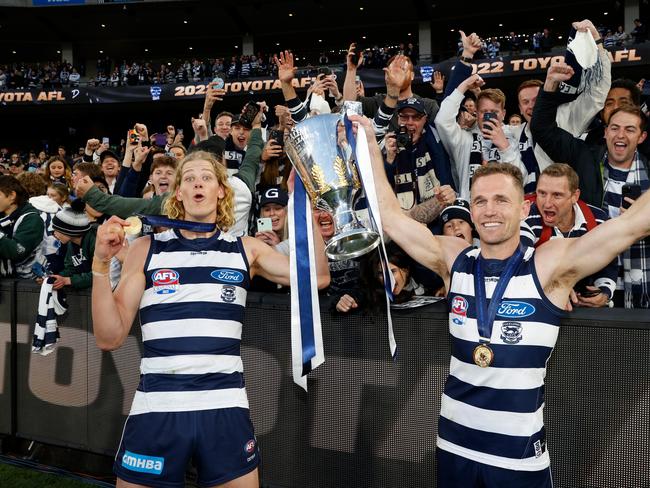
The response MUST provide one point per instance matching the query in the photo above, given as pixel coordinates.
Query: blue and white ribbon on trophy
(364, 166)
(307, 351)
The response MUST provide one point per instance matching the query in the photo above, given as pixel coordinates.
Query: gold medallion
(135, 227)
(483, 355)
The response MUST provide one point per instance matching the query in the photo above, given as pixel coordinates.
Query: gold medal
(135, 227)
(483, 355)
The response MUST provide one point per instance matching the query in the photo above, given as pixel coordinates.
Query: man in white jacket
(468, 148)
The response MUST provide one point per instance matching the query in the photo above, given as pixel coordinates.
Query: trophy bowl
(322, 156)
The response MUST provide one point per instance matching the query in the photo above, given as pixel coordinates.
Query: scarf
(635, 260)
(51, 303)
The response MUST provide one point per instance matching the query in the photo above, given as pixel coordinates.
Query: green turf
(15, 477)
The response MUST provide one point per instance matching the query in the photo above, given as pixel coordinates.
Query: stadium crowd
(584, 160)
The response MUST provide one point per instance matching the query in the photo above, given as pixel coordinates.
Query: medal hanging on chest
(483, 355)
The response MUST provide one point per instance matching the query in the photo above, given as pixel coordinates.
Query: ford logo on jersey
(165, 281)
(512, 309)
(227, 275)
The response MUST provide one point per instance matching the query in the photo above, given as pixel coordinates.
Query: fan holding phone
(273, 215)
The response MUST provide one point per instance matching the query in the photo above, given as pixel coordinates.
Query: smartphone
(264, 224)
(427, 73)
(488, 117)
(325, 71)
(277, 136)
(180, 131)
(160, 140)
(218, 83)
(630, 190)
(105, 140)
(250, 112)
(134, 138)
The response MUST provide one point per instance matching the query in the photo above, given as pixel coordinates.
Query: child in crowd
(73, 228)
(57, 171)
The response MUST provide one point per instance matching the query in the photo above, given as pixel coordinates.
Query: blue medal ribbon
(160, 221)
(485, 315)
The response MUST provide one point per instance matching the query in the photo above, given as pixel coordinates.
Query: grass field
(18, 477)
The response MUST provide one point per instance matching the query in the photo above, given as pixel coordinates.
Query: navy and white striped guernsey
(494, 415)
(191, 314)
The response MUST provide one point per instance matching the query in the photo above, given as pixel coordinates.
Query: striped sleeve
(297, 109)
(382, 119)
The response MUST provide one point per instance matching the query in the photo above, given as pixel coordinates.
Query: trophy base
(351, 244)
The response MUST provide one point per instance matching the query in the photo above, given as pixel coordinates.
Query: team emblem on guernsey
(229, 293)
(227, 275)
(459, 308)
(511, 332)
(165, 281)
(249, 447)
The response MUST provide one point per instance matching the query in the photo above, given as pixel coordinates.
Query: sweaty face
(222, 126)
(486, 105)
(277, 213)
(497, 208)
(527, 98)
(555, 200)
(57, 169)
(199, 191)
(623, 135)
(615, 98)
(240, 136)
(414, 122)
(162, 178)
(458, 228)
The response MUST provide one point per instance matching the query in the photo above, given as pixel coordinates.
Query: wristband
(100, 275)
(466, 59)
(600, 41)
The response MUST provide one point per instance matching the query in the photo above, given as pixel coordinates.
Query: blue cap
(412, 102)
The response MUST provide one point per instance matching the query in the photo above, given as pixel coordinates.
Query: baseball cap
(108, 154)
(412, 102)
(274, 194)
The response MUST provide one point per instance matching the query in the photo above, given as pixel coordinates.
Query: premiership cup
(321, 154)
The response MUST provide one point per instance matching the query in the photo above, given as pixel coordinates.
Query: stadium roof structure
(218, 28)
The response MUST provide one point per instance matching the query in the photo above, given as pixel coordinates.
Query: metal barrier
(367, 421)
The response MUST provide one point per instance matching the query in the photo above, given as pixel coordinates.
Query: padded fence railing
(367, 421)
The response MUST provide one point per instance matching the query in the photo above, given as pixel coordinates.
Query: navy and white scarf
(635, 260)
(51, 304)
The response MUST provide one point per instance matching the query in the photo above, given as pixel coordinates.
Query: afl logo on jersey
(459, 308)
(165, 281)
(227, 275)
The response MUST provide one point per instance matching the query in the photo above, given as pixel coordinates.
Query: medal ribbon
(160, 221)
(485, 317)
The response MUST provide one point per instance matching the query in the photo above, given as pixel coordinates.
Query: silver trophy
(319, 150)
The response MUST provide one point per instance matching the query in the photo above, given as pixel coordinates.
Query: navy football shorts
(456, 471)
(156, 447)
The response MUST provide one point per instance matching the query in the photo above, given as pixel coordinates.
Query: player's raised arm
(435, 252)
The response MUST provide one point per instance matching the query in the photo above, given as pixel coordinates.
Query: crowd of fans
(51, 205)
(54, 75)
